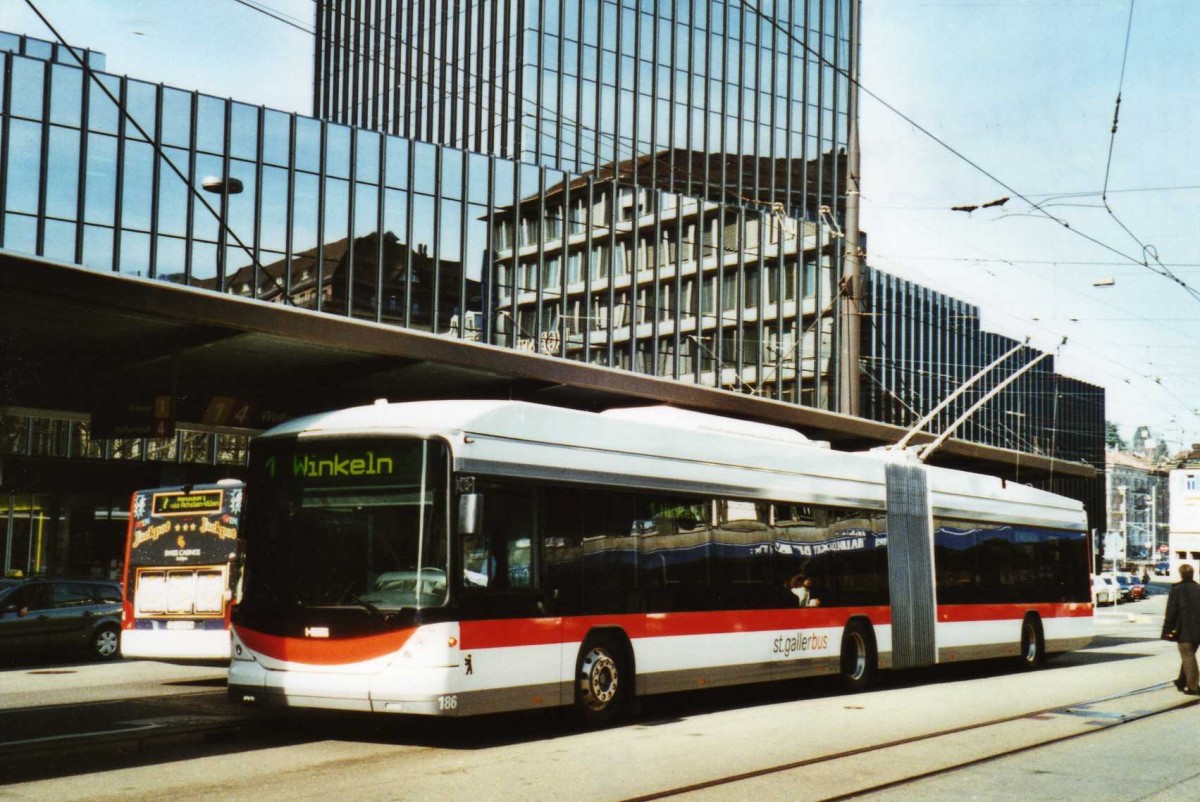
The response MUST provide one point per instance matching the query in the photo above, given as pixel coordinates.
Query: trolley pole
(850, 288)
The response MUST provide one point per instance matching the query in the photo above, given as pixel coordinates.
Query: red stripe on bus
(543, 631)
(322, 651)
(963, 613)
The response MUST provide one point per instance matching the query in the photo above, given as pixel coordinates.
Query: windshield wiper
(366, 605)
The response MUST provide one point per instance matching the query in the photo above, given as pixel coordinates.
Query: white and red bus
(462, 557)
(181, 567)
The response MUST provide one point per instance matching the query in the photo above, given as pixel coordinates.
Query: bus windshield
(351, 523)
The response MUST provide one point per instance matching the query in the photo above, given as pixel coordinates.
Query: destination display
(182, 527)
(346, 463)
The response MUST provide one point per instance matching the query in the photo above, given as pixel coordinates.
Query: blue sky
(1025, 90)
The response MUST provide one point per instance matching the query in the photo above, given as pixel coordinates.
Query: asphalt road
(136, 730)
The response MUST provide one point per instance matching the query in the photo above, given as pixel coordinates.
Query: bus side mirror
(470, 513)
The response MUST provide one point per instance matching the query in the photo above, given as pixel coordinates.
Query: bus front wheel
(604, 687)
(859, 663)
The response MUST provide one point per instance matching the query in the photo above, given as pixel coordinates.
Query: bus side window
(502, 555)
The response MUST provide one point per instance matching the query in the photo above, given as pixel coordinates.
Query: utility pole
(850, 289)
(1153, 557)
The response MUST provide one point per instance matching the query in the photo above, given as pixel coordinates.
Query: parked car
(1136, 591)
(1124, 586)
(1104, 591)
(39, 616)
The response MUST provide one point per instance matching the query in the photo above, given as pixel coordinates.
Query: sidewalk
(78, 683)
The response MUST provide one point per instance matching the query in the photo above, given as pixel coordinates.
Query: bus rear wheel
(604, 686)
(859, 661)
(1033, 644)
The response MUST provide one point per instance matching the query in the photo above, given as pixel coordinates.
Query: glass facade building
(920, 345)
(354, 222)
(724, 100)
(677, 210)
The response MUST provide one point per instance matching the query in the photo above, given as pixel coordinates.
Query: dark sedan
(40, 616)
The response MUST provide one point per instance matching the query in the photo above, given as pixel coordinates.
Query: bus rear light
(452, 642)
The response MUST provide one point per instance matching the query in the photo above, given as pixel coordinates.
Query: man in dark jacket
(1182, 625)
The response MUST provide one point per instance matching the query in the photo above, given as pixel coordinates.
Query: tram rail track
(1074, 720)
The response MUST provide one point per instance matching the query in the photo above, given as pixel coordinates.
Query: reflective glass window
(204, 265)
(277, 137)
(337, 151)
(210, 125)
(395, 227)
(241, 205)
(337, 211)
(97, 247)
(59, 243)
(366, 156)
(424, 167)
(28, 77)
(140, 102)
(395, 216)
(477, 241)
(450, 225)
(173, 194)
(62, 173)
(505, 183)
(452, 173)
(243, 135)
(135, 253)
(205, 206)
(397, 162)
(24, 166)
(137, 186)
(20, 233)
(366, 209)
(176, 117)
(101, 192)
(102, 111)
(422, 223)
(274, 208)
(239, 269)
(169, 259)
(531, 176)
(66, 95)
(304, 206)
(39, 48)
(477, 178)
(308, 144)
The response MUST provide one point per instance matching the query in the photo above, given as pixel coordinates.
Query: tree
(1112, 436)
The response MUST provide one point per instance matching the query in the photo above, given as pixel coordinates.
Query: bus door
(510, 633)
(501, 562)
(910, 567)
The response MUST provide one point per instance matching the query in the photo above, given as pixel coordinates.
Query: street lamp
(222, 186)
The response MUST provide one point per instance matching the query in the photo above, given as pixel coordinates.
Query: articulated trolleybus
(462, 557)
(181, 565)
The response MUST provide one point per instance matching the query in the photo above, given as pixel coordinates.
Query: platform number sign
(223, 411)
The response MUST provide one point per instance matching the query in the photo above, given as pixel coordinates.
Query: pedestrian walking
(1182, 625)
